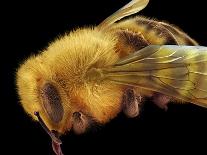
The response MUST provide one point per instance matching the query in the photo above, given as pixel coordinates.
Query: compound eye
(52, 102)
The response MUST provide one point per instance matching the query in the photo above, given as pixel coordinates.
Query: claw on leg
(161, 100)
(56, 148)
(131, 103)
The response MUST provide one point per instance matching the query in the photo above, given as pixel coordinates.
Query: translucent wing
(177, 71)
(131, 8)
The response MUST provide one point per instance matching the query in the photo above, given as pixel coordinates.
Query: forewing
(177, 71)
(131, 8)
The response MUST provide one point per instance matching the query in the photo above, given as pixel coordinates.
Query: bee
(92, 74)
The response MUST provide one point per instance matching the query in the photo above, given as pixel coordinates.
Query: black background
(29, 26)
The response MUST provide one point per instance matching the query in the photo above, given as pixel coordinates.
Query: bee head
(55, 83)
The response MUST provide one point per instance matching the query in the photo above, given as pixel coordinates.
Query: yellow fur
(65, 63)
(68, 64)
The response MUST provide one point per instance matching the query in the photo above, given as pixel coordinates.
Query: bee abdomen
(182, 37)
(155, 32)
(169, 34)
(139, 32)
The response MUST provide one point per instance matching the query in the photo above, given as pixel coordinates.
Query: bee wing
(131, 8)
(177, 71)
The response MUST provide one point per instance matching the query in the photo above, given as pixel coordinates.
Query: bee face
(39, 94)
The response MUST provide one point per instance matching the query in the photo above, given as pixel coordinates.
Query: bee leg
(131, 103)
(161, 100)
(80, 122)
